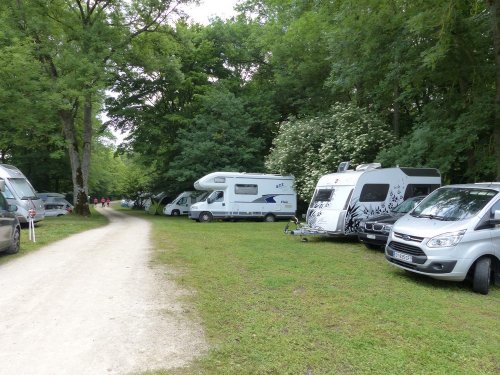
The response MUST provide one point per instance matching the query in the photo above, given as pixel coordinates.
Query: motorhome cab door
(216, 203)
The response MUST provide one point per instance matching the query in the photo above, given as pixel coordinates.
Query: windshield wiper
(432, 217)
(30, 197)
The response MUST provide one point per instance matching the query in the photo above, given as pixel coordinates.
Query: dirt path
(93, 304)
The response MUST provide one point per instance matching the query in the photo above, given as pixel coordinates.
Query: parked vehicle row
(451, 234)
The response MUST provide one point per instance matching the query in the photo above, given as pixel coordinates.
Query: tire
(16, 242)
(205, 217)
(175, 213)
(482, 276)
(269, 218)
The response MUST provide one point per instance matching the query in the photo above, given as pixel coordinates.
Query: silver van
(452, 234)
(19, 192)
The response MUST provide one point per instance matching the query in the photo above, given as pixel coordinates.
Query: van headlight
(446, 239)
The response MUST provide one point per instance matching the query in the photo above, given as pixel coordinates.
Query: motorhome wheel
(269, 218)
(205, 217)
(482, 275)
(16, 242)
(175, 213)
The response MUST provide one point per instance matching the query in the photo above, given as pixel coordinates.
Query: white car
(55, 210)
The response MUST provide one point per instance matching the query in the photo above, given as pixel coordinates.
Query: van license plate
(370, 236)
(401, 256)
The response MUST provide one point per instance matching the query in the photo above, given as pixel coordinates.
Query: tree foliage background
(286, 86)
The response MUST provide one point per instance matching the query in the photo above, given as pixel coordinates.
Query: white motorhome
(245, 196)
(19, 192)
(182, 203)
(341, 200)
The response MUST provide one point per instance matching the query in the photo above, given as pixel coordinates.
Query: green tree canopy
(311, 147)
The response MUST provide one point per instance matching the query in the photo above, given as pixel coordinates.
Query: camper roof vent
(366, 167)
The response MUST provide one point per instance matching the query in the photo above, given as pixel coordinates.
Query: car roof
(477, 185)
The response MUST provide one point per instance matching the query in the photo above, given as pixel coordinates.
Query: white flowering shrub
(311, 147)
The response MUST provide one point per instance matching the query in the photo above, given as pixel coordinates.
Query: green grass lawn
(271, 304)
(52, 229)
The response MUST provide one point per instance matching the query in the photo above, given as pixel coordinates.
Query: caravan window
(413, 190)
(246, 189)
(219, 180)
(323, 195)
(374, 193)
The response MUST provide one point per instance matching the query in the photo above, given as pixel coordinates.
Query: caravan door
(328, 207)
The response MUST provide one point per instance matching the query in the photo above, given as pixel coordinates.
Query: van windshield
(452, 204)
(334, 197)
(22, 188)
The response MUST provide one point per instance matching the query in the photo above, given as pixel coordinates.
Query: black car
(374, 231)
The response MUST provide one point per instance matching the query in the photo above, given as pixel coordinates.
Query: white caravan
(341, 200)
(183, 202)
(19, 192)
(245, 196)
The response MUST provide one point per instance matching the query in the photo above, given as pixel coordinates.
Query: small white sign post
(31, 224)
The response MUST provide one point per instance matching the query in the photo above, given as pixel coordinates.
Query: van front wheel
(175, 213)
(205, 217)
(482, 275)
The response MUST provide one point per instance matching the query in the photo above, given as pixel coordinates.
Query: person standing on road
(95, 201)
(108, 201)
(103, 201)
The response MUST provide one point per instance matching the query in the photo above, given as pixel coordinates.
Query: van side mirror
(2, 185)
(210, 200)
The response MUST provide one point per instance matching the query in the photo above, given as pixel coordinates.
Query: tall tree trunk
(495, 17)
(397, 113)
(80, 189)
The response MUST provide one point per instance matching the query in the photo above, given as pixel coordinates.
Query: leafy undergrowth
(271, 304)
(52, 229)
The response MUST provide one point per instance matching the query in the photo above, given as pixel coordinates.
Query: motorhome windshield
(453, 204)
(22, 188)
(336, 196)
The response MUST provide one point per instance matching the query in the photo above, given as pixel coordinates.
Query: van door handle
(223, 204)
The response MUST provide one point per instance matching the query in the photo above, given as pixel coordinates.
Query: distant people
(103, 201)
(108, 201)
(95, 201)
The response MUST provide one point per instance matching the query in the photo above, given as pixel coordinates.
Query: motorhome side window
(374, 193)
(323, 195)
(246, 189)
(219, 180)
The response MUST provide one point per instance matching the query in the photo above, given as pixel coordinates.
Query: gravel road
(94, 304)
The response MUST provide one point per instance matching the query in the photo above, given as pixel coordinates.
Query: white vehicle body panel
(182, 203)
(341, 200)
(20, 192)
(246, 195)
